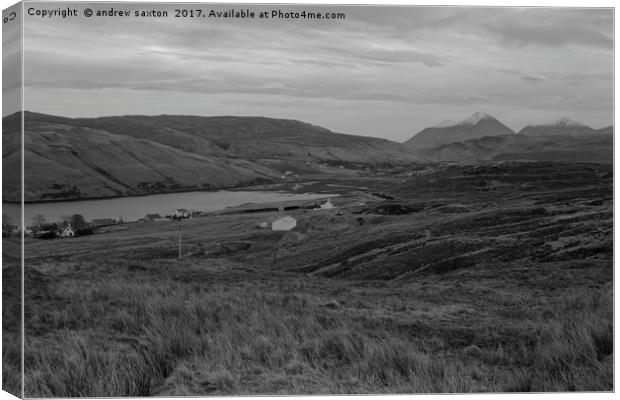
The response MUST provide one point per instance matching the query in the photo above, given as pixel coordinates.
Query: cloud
(534, 78)
(553, 27)
(405, 58)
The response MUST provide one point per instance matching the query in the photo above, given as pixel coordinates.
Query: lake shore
(132, 208)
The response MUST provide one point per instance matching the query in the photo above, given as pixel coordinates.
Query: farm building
(180, 213)
(327, 205)
(67, 232)
(284, 224)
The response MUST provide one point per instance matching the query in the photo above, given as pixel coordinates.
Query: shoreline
(269, 187)
(219, 189)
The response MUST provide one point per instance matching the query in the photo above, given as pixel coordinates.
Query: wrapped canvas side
(12, 205)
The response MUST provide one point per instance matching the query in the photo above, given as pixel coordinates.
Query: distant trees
(77, 222)
(50, 230)
(51, 227)
(65, 220)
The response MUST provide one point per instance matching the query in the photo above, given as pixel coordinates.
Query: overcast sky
(11, 66)
(384, 71)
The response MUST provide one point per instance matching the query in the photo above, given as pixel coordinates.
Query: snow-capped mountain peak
(469, 121)
(475, 126)
(445, 123)
(475, 118)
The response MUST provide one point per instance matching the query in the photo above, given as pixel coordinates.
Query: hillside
(255, 138)
(596, 148)
(476, 126)
(494, 278)
(129, 155)
(11, 160)
(562, 127)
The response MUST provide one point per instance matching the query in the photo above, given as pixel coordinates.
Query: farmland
(464, 279)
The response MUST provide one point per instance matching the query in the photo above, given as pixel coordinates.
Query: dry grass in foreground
(140, 337)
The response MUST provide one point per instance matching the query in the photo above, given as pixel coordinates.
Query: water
(134, 208)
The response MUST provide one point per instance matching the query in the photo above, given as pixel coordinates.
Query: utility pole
(179, 241)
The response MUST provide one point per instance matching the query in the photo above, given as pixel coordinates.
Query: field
(457, 279)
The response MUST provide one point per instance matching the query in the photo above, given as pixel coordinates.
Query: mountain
(608, 130)
(476, 126)
(562, 127)
(68, 158)
(587, 149)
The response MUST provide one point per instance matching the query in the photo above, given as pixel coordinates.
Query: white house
(67, 232)
(284, 224)
(181, 213)
(327, 205)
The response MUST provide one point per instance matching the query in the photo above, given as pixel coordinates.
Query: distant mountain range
(563, 127)
(76, 158)
(585, 149)
(481, 137)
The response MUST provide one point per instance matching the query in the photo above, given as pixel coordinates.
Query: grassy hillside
(595, 148)
(116, 156)
(488, 278)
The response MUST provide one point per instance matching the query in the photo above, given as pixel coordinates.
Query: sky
(11, 63)
(383, 71)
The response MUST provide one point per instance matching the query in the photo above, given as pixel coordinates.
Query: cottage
(327, 205)
(284, 224)
(181, 213)
(67, 232)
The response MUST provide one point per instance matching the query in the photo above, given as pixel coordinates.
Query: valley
(93, 158)
(479, 278)
(475, 260)
(308, 200)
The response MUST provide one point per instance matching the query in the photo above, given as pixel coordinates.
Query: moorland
(496, 277)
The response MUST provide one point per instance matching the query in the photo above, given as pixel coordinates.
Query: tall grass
(574, 349)
(11, 363)
(141, 337)
(225, 336)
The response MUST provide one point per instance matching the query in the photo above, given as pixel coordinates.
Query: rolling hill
(68, 158)
(562, 127)
(596, 148)
(254, 138)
